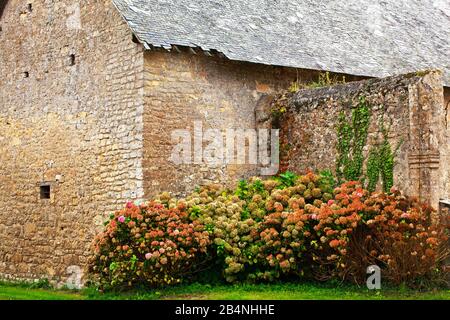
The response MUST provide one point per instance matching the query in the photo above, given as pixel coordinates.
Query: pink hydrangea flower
(121, 219)
(314, 216)
(405, 215)
(330, 202)
(148, 256)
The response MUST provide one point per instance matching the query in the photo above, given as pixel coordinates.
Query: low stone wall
(407, 112)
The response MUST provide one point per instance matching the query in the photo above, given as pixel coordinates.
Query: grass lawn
(13, 292)
(225, 292)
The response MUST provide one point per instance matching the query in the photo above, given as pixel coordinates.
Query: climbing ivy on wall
(386, 165)
(381, 162)
(352, 138)
(373, 168)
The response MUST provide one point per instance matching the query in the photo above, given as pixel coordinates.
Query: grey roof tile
(361, 37)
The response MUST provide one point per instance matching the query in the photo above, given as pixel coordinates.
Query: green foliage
(327, 181)
(294, 87)
(242, 190)
(149, 244)
(210, 288)
(194, 212)
(41, 284)
(287, 227)
(324, 79)
(277, 112)
(345, 134)
(352, 137)
(26, 291)
(258, 186)
(380, 163)
(386, 164)
(287, 179)
(373, 168)
(360, 122)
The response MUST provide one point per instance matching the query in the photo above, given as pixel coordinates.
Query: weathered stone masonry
(412, 109)
(86, 111)
(182, 87)
(71, 100)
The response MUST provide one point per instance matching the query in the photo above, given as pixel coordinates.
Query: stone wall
(71, 100)
(182, 87)
(85, 111)
(411, 107)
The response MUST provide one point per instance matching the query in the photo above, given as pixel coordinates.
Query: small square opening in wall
(45, 192)
(72, 60)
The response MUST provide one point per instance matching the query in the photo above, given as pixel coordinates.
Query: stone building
(90, 92)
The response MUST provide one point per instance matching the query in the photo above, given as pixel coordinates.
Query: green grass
(291, 291)
(11, 292)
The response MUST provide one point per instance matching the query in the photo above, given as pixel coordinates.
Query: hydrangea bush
(262, 230)
(389, 230)
(149, 244)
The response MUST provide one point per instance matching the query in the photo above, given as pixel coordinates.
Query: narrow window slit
(72, 60)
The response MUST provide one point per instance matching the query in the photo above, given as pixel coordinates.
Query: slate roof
(360, 37)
